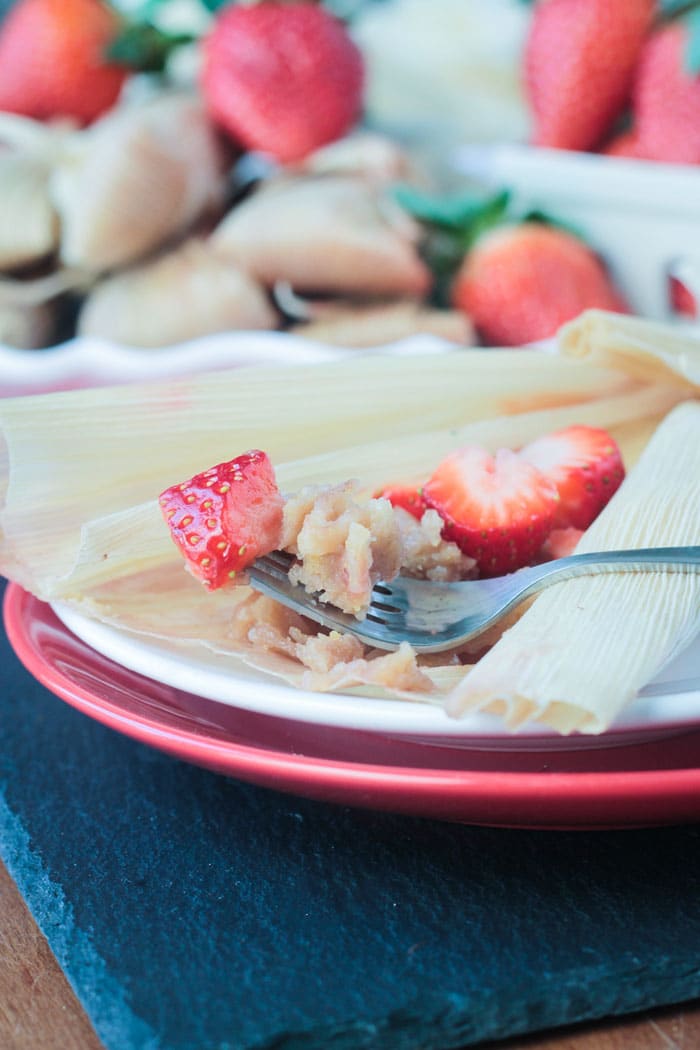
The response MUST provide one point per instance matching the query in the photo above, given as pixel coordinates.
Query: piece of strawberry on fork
(224, 518)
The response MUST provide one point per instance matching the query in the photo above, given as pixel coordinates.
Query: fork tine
(435, 616)
(277, 559)
(267, 576)
(269, 569)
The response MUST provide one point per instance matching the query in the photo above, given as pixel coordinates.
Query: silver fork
(438, 616)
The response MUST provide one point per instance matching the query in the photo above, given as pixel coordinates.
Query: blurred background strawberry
(517, 275)
(667, 95)
(53, 59)
(520, 283)
(625, 71)
(383, 94)
(579, 66)
(282, 78)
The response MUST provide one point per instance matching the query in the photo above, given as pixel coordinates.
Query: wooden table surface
(38, 1010)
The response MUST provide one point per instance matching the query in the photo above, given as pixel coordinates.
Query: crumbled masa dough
(396, 670)
(426, 555)
(345, 543)
(333, 661)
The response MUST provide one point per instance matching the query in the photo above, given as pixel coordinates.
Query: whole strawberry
(520, 283)
(580, 58)
(282, 78)
(52, 59)
(667, 99)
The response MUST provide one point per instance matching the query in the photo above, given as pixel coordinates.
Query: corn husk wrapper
(27, 327)
(334, 234)
(650, 352)
(181, 295)
(100, 542)
(133, 180)
(28, 221)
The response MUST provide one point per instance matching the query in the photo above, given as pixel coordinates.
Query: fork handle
(652, 559)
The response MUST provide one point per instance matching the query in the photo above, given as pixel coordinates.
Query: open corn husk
(134, 179)
(100, 542)
(137, 440)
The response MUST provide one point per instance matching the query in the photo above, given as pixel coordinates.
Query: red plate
(618, 783)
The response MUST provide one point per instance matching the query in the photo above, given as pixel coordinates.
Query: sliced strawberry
(498, 509)
(225, 517)
(409, 497)
(681, 299)
(585, 465)
(560, 543)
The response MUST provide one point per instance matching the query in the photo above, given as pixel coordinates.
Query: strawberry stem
(452, 225)
(691, 57)
(676, 8)
(143, 47)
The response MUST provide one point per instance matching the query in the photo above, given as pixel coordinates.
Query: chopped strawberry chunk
(681, 299)
(498, 509)
(409, 497)
(225, 517)
(585, 465)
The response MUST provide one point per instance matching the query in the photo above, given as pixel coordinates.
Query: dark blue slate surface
(192, 912)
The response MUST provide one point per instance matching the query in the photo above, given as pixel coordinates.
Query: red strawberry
(283, 78)
(520, 283)
(667, 99)
(224, 518)
(681, 300)
(409, 497)
(579, 65)
(52, 59)
(585, 465)
(498, 509)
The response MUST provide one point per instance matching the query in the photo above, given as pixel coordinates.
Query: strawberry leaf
(452, 225)
(143, 47)
(458, 213)
(692, 47)
(671, 8)
(537, 215)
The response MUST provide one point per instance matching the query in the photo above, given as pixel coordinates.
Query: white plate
(671, 701)
(93, 362)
